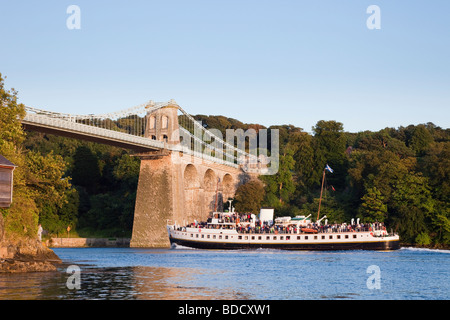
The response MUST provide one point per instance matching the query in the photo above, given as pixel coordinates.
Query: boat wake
(425, 250)
(180, 247)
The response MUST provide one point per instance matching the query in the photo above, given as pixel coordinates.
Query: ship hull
(329, 246)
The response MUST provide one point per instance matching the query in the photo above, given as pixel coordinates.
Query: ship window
(259, 237)
(253, 237)
(275, 238)
(331, 237)
(346, 236)
(246, 237)
(288, 237)
(323, 237)
(267, 238)
(339, 236)
(281, 238)
(196, 235)
(203, 236)
(315, 237)
(208, 236)
(354, 236)
(306, 237)
(192, 235)
(214, 236)
(220, 237)
(240, 237)
(226, 237)
(298, 237)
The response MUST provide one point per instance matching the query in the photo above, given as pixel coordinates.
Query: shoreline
(88, 242)
(26, 255)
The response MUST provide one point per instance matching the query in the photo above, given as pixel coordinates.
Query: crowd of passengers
(242, 223)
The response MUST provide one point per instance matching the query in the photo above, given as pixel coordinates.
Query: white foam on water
(425, 250)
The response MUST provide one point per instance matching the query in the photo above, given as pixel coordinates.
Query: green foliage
(40, 189)
(107, 201)
(421, 139)
(249, 196)
(373, 207)
(280, 187)
(86, 169)
(423, 239)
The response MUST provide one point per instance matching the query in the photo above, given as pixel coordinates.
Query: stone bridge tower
(162, 124)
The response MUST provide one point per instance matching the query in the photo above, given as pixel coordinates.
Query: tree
(22, 217)
(435, 164)
(126, 170)
(440, 224)
(249, 196)
(373, 208)
(421, 139)
(329, 145)
(330, 140)
(412, 206)
(280, 186)
(304, 162)
(86, 171)
(39, 185)
(50, 189)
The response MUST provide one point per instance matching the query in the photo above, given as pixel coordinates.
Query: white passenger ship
(224, 232)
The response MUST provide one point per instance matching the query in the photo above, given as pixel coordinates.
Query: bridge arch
(210, 181)
(192, 199)
(228, 186)
(191, 177)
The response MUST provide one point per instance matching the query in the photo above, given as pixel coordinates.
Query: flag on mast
(327, 167)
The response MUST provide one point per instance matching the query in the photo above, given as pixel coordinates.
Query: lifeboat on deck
(309, 230)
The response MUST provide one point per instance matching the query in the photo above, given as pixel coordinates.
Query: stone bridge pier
(179, 188)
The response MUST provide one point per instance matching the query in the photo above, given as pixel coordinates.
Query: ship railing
(255, 230)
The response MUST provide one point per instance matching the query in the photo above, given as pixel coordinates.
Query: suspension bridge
(130, 129)
(187, 171)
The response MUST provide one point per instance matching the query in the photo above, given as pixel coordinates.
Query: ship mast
(321, 191)
(217, 195)
(327, 167)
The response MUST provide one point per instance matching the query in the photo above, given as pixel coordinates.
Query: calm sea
(187, 274)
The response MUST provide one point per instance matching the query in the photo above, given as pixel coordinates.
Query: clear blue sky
(259, 61)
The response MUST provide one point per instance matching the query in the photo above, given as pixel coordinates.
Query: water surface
(182, 273)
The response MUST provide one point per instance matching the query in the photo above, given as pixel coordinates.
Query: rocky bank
(25, 255)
